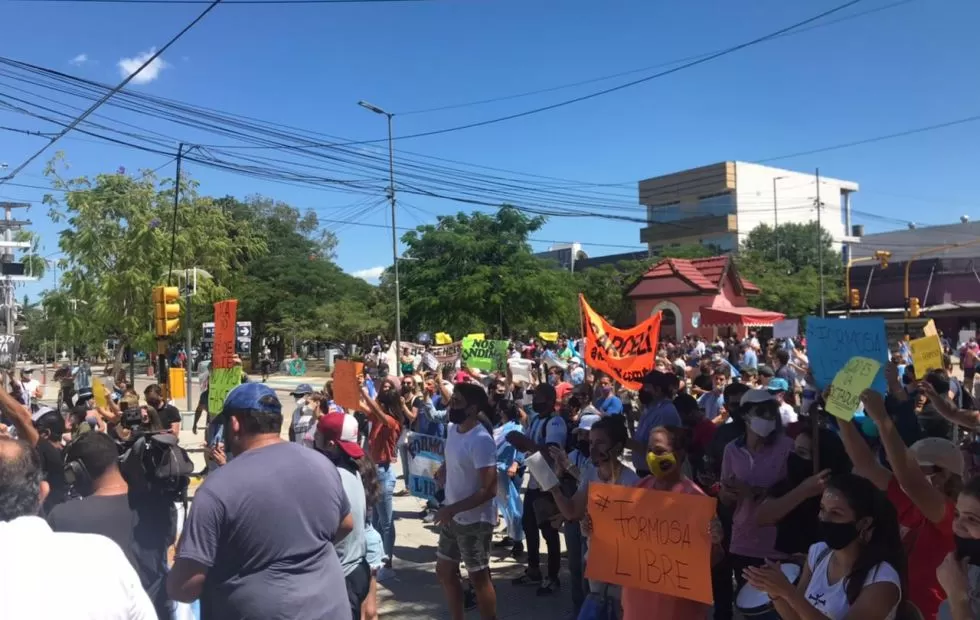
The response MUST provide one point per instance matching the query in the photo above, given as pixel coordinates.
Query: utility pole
(775, 216)
(11, 270)
(188, 344)
(394, 232)
(823, 304)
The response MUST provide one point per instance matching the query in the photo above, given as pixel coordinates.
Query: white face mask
(761, 427)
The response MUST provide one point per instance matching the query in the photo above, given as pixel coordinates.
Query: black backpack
(155, 463)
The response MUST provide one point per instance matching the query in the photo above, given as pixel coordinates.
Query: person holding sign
(858, 570)
(665, 459)
(923, 487)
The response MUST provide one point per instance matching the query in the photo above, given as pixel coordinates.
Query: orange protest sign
(346, 388)
(651, 540)
(224, 333)
(624, 354)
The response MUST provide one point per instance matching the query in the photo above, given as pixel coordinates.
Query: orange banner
(346, 388)
(225, 313)
(624, 354)
(651, 540)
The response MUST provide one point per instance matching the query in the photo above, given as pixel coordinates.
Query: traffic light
(883, 256)
(165, 310)
(855, 298)
(914, 309)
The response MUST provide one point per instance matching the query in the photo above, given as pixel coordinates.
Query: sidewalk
(415, 593)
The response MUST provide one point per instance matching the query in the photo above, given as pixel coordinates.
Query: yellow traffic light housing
(914, 309)
(855, 298)
(883, 256)
(166, 310)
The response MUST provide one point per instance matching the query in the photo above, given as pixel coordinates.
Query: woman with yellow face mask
(666, 453)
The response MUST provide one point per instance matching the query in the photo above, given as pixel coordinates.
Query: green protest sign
(485, 355)
(223, 380)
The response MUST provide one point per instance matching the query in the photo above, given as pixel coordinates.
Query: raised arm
(929, 500)
(20, 417)
(963, 417)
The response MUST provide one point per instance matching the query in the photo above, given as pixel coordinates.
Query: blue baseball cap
(302, 389)
(778, 385)
(253, 396)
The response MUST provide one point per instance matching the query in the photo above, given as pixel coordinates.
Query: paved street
(415, 592)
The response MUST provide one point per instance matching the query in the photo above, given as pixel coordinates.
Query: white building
(721, 203)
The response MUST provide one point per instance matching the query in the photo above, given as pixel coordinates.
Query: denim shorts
(469, 544)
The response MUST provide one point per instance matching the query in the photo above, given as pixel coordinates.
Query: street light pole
(775, 215)
(394, 230)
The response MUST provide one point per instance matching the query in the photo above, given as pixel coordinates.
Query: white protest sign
(541, 471)
(790, 328)
(520, 369)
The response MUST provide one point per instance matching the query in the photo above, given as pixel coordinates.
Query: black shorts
(202, 400)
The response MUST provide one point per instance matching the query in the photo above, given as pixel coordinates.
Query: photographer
(142, 524)
(169, 415)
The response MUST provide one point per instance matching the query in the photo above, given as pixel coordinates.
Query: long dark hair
(885, 545)
(365, 468)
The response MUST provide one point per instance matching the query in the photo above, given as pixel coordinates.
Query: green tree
(791, 284)
(288, 291)
(118, 244)
(476, 273)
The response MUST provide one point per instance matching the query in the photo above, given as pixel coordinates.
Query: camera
(132, 418)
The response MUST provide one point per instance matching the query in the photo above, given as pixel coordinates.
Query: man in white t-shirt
(29, 546)
(467, 516)
(778, 388)
(32, 389)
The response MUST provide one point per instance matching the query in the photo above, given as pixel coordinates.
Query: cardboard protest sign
(831, 343)
(520, 370)
(346, 388)
(225, 333)
(485, 355)
(548, 336)
(178, 383)
(443, 338)
(624, 354)
(651, 540)
(789, 328)
(476, 336)
(444, 354)
(222, 381)
(426, 454)
(927, 354)
(99, 394)
(845, 391)
(930, 329)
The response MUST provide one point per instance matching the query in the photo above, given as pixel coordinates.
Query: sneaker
(469, 599)
(504, 542)
(430, 517)
(527, 579)
(517, 551)
(385, 574)
(549, 586)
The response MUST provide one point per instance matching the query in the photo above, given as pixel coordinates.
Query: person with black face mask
(959, 573)
(546, 429)
(858, 570)
(792, 504)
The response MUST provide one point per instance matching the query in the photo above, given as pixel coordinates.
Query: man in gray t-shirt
(259, 539)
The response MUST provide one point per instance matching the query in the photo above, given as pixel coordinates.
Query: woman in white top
(856, 571)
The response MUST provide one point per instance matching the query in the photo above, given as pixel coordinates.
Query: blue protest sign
(831, 343)
(426, 454)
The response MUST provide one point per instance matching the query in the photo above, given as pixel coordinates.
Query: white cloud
(149, 73)
(79, 60)
(371, 274)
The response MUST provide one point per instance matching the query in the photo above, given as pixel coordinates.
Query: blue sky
(904, 67)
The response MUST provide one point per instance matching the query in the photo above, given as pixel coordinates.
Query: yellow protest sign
(443, 338)
(845, 392)
(477, 336)
(98, 393)
(548, 336)
(927, 354)
(930, 329)
(178, 386)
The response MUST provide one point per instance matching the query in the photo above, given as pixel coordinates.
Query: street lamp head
(371, 107)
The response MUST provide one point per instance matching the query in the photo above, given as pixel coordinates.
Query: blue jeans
(382, 513)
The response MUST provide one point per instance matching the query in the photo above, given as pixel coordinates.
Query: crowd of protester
(876, 517)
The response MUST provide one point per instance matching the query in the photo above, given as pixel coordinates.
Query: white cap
(585, 422)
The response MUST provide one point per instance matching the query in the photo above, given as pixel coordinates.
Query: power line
(109, 95)
(668, 63)
(225, 1)
(612, 89)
